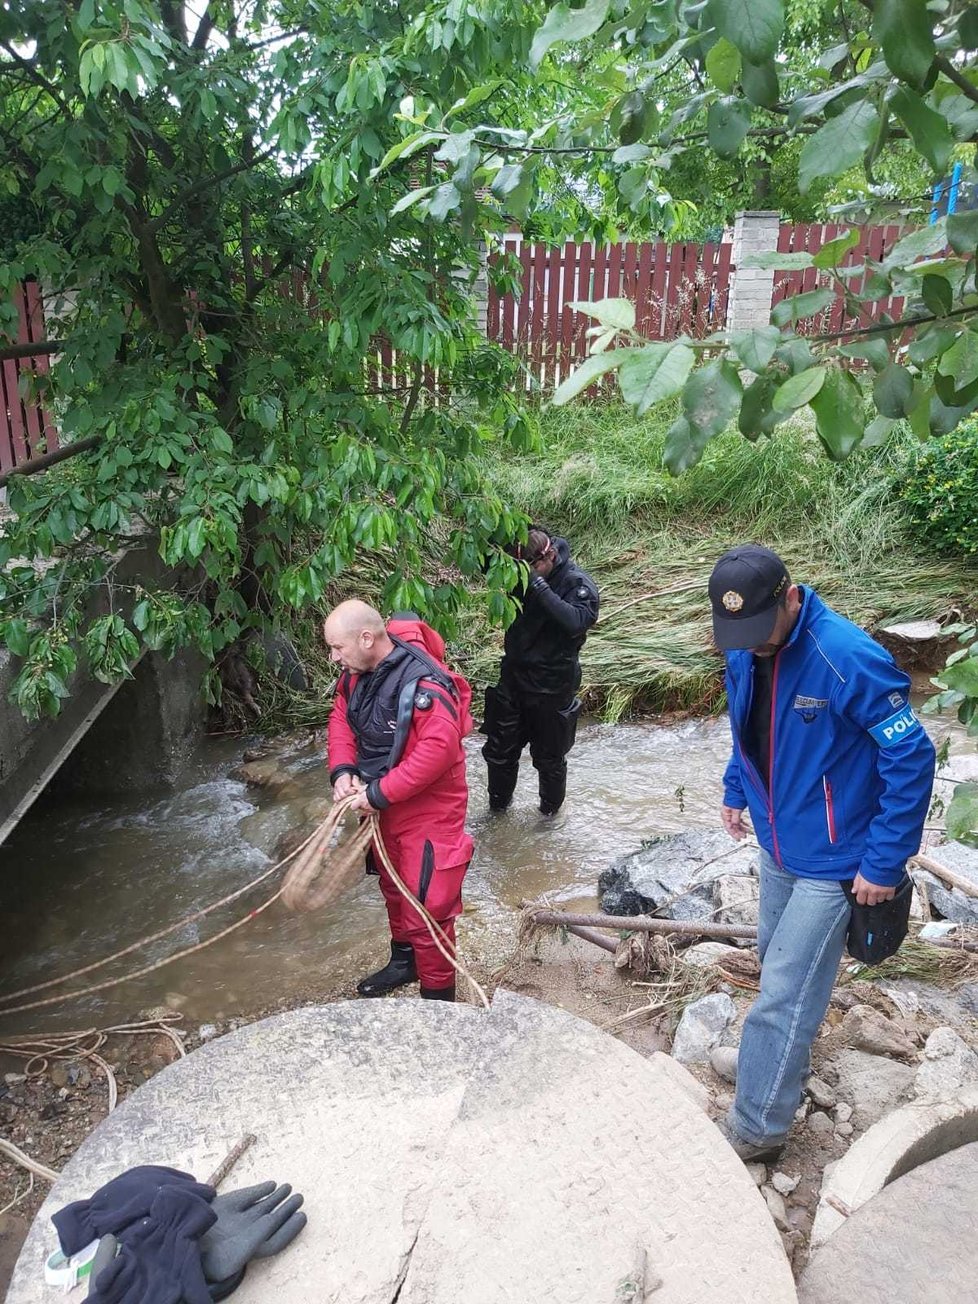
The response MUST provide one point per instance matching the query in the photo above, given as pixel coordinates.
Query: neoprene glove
(253, 1223)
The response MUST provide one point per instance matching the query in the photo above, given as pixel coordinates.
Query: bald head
(356, 636)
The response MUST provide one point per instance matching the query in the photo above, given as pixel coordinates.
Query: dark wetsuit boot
(398, 973)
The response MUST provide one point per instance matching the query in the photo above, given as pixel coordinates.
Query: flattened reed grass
(599, 480)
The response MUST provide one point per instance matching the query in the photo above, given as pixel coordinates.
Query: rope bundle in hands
(329, 864)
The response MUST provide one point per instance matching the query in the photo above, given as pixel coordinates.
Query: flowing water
(78, 882)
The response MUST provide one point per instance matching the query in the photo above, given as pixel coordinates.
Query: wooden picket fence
(26, 428)
(874, 243)
(678, 289)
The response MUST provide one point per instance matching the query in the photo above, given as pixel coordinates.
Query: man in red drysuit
(395, 739)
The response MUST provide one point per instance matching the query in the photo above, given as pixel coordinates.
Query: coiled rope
(322, 877)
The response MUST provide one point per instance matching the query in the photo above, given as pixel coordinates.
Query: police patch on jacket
(809, 707)
(895, 727)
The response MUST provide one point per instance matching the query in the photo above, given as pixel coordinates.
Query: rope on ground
(155, 937)
(25, 1161)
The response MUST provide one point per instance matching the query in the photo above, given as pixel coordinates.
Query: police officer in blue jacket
(836, 771)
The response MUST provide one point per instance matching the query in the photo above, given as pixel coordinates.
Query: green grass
(840, 528)
(599, 481)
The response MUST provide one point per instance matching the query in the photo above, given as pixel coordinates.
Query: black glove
(253, 1223)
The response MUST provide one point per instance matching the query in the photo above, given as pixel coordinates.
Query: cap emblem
(732, 600)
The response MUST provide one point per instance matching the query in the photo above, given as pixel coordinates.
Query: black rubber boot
(438, 993)
(398, 973)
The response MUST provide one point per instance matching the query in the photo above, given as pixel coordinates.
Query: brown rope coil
(329, 865)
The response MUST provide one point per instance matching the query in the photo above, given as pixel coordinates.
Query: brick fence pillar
(751, 288)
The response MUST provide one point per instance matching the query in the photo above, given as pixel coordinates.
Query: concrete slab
(913, 1241)
(894, 1146)
(446, 1153)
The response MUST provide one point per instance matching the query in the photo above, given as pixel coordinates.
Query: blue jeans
(801, 936)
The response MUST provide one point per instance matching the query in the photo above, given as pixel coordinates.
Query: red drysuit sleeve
(341, 745)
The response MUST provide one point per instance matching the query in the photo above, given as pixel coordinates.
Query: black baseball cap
(745, 588)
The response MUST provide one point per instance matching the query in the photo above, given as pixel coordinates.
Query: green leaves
(790, 311)
(710, 402)
(962, 232)
(928, 129)
(615, 314)
(653, 373)
(905, 30)
(839, 414)
(961, 819)
(838, 145)
(892, 390)
(565, 24)
(755, 348)
(799, 389)
(585, 374)
(960, 361)
(753, 26)
(834, 251)
(727, 123)
(723, 64)
(712, 397)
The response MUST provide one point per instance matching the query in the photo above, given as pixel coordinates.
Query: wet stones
(676, 876)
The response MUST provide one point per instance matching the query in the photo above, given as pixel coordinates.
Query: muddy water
(78, 883)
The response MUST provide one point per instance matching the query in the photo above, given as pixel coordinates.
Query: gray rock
(208, 1031)
(776, 1207)
(866, 1029)
(951, 902)
(949, 1064)
(955, 855)
(947, 1007)
(736, 899)
(967, 994)
(845, 1130)
(645, 880)
(705, 954)
(843, 1112)
(821, 1124)
(723, 1060)
(872, 1084)
(784, 1184)
(702, 1025)
(821, 1093)
(758, 1172)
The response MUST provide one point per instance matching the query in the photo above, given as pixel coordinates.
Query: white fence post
(752, 288)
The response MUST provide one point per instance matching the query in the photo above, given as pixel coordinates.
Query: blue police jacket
(851, 766)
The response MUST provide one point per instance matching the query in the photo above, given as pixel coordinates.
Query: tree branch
(204, 29)
(880, 328)
(206, 183)
(9, 351)
(36, 77)
(50, 459)
(952, 74)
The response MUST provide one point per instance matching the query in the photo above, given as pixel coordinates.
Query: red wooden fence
(678, 289)
(874, 242)
(26, 429)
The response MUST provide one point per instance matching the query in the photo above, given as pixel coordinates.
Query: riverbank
(650, 541)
